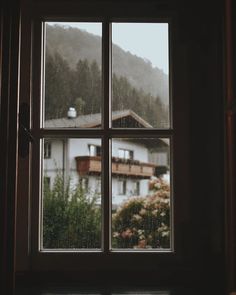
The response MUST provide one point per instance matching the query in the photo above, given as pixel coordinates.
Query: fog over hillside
(74, 44)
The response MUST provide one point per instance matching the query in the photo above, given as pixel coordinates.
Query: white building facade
(133, 162)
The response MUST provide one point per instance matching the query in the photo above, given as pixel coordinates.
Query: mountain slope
(74, 44)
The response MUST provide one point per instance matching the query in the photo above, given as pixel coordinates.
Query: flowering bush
(144, 222)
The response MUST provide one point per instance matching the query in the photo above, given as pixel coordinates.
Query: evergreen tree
(82, 88)
(57, 86)
(96, 88)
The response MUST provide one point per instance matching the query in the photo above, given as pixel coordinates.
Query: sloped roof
(93, 120)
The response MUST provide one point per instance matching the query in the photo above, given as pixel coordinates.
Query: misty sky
(147, 40)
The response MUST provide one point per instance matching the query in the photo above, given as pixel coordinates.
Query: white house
(134, 161)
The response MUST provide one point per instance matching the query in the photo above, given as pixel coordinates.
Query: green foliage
(71, 217)
(58, 77)
(144, 222)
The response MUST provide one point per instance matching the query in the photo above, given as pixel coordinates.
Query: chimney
(71, 114)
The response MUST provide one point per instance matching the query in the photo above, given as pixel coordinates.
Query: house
(134, 161)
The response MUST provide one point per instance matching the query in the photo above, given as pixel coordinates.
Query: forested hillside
(78, 84)
(74, 45)
(81, 88)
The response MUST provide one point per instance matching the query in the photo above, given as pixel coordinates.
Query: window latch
(25, 136)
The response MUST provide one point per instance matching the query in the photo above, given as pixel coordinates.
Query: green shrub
(71, 217)
(144, 222)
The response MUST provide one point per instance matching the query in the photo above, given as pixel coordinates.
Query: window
(84, 184)
(137, 188)
(130, 102)
(121, 187)
(126, 154)
(47, 150)
(94, 150)
(105, 97)
(105, 126)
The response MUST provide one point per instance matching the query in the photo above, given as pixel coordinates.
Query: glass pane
(71, 201)
(141, 201)
(140, 75)
(73, 83)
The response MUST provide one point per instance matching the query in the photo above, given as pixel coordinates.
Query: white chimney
(71, 114)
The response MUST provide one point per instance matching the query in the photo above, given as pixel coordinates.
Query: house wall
(63, 153)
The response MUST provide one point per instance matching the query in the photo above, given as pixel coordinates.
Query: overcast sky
(147, 40)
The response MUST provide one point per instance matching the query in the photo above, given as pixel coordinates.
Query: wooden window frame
(114, 261)
(106, 133)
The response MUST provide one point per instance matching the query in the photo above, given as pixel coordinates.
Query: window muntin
(119, 120)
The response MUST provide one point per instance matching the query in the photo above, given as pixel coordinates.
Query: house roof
(93, 120)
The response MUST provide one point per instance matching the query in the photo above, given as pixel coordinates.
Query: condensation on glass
(140, 75)
(141, 195)
(72, 75)
(71, 186)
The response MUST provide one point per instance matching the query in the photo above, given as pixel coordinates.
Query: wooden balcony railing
(92, 165)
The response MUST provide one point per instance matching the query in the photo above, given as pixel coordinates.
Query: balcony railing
(87, 165)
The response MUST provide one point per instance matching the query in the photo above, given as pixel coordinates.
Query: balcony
(87, 165)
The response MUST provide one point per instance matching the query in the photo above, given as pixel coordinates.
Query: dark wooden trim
(230, 129)
(10, 50)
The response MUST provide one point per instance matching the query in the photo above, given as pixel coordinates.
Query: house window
(94, 150)
(137, 188)
(98, 185)
(126, 154)
(83, 181)
(47, 150)
(110, 111)
(122, 187)
(47, 181)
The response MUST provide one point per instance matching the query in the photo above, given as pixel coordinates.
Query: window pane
(140, 75)
(141, 194)
(71, 187)
(73, 83)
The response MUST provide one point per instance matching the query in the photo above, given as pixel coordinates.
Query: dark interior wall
(9, 62)
(205, 88)
(234, 45)
(201, 35)
(230, 112)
